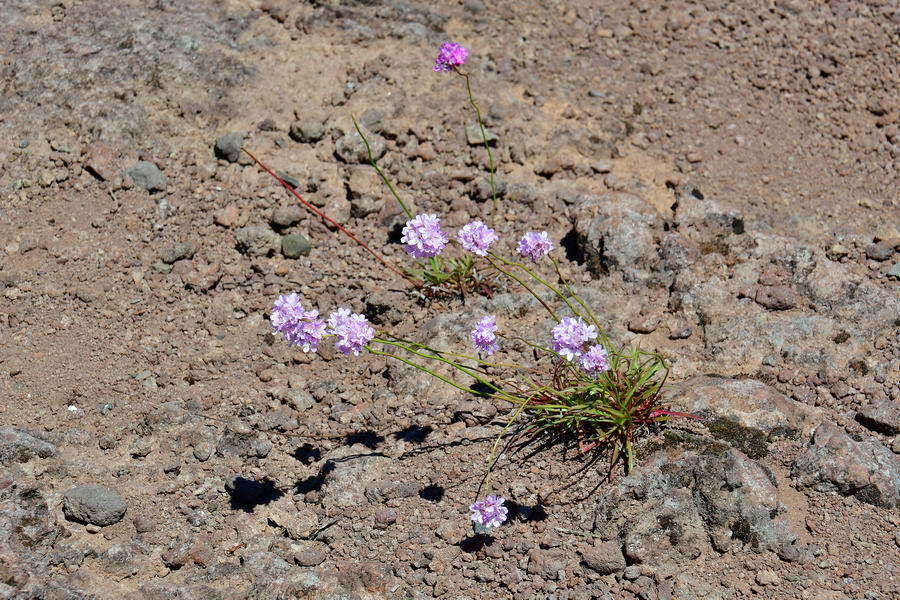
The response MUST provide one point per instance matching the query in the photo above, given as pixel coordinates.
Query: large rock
(26, 524)
(31, 539)
(748, 403)
(618, 232)
(739, 339)
(94, 505)
(678, 508)
(836, 463)
(882, 416)
(18, 446)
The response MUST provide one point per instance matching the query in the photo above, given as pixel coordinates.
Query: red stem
(330, 220)
(672, 413)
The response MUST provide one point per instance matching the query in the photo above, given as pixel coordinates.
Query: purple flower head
(489, 512)
(534, 245)
(594, 360)
(299, 327)
(484, 336)
(570, 335)
(450, 56)
(352, 330)
(423, 236)
(476, 237)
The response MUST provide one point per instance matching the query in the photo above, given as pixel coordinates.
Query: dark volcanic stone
(147, 176)
(229, 146)
(883, 417)
(295, 245)
(836, 463)
(776, 297)
(94, 505)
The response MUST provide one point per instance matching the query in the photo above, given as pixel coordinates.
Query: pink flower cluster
(424, 238)
(450, 56)
(489, 512)
(484, 336)
(304, 328)
(570, 335)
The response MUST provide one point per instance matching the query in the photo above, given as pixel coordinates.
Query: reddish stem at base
(322, 215)
(672, 413)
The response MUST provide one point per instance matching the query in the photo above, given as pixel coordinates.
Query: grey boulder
(94, 505)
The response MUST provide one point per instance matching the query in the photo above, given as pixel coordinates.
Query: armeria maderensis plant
(582, 387)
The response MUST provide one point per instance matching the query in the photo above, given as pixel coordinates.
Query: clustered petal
(301, 328)
(450, 56)
(484, 336)
(352, 330)
(594, 360)
(476, 237)
(534, 245)
(489, 512)
(570, 335)
(423, 236)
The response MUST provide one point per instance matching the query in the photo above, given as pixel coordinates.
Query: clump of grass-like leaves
(603, 411)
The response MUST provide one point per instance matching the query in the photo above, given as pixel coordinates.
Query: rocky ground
(720, 179)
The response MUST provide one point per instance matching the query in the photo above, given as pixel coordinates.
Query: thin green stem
(629, 455)
(484, 139)
(493, 456)
(455, 354)
(419, 367)
(532, 344)
(379, 171)
(522, 283)
(462, 368)
(537, 278)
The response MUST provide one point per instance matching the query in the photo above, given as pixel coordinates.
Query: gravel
(762, 255)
